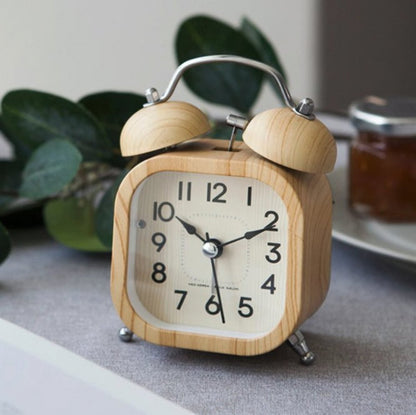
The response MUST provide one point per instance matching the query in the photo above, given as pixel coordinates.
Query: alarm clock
(223, 246)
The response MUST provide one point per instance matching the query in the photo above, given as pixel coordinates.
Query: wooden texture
(160, 126)
(309, 204)
(292, 141)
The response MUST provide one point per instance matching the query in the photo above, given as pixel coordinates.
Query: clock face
(207, 254)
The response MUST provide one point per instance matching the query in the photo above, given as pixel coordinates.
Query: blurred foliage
(66, 157)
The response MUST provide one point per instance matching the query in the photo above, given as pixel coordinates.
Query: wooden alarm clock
(221, 246)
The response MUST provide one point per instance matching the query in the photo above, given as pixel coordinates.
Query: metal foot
(298, 344)
(125, 334)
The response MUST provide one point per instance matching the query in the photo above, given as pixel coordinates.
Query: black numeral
(276, 257)
(182, 190)
(159, 239)
(220, 189)
(274, 220)
(269, 284)
(212, 307)
(249, 192)
(158, 274)
(163, 211)
(245, 309)
(183, 294)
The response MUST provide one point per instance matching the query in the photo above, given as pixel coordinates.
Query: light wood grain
(160, 126)
(309, 204)
(291, 141)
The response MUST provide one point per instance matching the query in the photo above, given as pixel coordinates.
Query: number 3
(276, 257)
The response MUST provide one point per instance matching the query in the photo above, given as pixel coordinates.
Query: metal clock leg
(125, 334)
(298, 344)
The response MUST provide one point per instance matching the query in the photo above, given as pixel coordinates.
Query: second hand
(217, 288)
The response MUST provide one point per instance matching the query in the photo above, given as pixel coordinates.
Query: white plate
(397, 241)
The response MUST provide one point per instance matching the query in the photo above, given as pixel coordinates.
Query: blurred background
(333, 51)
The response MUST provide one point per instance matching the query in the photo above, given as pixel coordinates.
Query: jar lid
(389, 116)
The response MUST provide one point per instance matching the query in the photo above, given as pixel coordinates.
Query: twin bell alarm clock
(218, 245)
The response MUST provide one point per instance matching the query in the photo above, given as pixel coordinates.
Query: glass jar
(382, 172)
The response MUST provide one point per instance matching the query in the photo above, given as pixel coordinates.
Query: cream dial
(190, 231)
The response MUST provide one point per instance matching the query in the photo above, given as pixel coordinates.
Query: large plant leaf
(71, 222)
(266, 51)
(10, 179)
(104, 215)
(51, 167)
(33, 117)
(112, 110)
(20, 150)
(228, 84)
(5, 244)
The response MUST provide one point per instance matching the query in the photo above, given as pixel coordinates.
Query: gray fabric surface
(363, 336)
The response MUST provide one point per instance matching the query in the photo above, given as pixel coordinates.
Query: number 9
(159, 239)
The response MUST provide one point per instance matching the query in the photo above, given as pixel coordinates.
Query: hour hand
(190, 228)
(250, 234)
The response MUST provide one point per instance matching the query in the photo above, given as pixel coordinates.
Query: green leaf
(33, 117)
(265, 50)
(227, 84)
(112, 110)
(2, 127)
(71, 222)
(10, 179)
(104, 215)
(51, 167)
(5, 244)
(21, 151)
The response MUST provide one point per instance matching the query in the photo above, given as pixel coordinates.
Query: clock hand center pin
(212, 248)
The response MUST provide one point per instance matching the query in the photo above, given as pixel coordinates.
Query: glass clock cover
(170, 281)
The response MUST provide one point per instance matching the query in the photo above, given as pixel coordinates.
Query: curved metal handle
(304, 108)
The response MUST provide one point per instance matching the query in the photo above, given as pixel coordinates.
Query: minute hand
(250, 234)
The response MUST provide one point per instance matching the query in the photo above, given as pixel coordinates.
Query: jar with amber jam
(382, 165)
